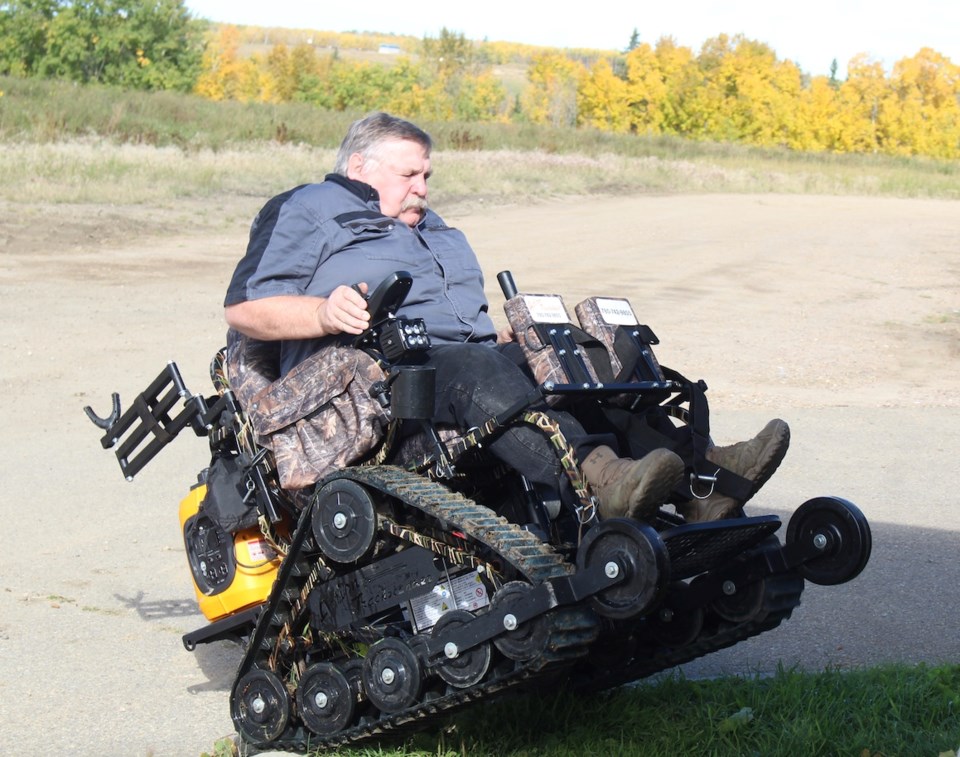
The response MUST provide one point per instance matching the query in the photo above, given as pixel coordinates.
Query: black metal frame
(147, 426)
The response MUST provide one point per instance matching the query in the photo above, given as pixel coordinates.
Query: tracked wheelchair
(404, 573)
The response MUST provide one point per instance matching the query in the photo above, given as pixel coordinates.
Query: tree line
(733, 89)
(141, 44)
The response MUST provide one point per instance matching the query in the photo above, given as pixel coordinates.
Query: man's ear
(354, 166)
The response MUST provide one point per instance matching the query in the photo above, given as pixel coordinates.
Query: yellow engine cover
(230, 571)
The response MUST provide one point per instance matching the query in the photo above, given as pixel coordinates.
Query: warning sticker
(260, 551)
(463, 592)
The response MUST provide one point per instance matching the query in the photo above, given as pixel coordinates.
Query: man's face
(399, 176)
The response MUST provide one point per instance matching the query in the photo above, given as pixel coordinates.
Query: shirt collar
(361, 189)
(364, 191)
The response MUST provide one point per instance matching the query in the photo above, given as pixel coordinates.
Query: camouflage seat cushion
(318, 418)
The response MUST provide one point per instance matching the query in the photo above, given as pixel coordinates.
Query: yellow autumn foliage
(733, 89)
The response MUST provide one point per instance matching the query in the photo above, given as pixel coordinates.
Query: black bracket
(556, 592)
(147, 426)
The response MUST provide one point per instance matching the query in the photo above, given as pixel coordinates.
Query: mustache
(411, 203)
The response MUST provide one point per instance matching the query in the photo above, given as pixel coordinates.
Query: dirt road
(841, 315)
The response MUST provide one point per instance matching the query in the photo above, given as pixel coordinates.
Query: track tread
(572, 630)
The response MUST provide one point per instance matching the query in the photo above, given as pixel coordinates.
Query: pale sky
(811, 33)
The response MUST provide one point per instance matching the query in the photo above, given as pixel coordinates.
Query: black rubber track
(571, 631)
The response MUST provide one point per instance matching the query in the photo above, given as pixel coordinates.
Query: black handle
(507, 285)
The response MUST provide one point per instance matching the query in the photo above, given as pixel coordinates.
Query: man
(314, 252)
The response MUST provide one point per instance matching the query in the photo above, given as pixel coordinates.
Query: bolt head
(510, 622)
(450, 650)
(339, 521)
(321, 700)
(611, 569)
(388, 676)
(729, 588)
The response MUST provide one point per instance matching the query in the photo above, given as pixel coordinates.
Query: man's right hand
(344, 311)
(301, 316)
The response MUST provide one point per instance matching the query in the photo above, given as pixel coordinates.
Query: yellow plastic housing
(256, 566)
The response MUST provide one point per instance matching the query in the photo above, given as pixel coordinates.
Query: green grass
(40, 110)
(890, 711)
(898, 710)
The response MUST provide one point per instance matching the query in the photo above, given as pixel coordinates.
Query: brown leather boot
(755, 460)
(629, 488)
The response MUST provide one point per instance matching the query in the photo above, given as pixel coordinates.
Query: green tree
(23, 34)
(451, 55)
(143, 44)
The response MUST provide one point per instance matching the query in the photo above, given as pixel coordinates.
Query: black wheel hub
(836, 533)
(621, 545)
(325, 699)
(344, 521)
(392, 676)
(461, 669)
(261, 706)
(526, 640)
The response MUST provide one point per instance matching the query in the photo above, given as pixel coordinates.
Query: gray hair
(368, 134)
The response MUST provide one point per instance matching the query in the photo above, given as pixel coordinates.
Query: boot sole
(777, 451)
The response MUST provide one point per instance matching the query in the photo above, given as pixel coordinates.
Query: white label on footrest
(546, 308)
(616, 312)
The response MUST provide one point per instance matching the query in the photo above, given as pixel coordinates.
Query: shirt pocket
(363, 226)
